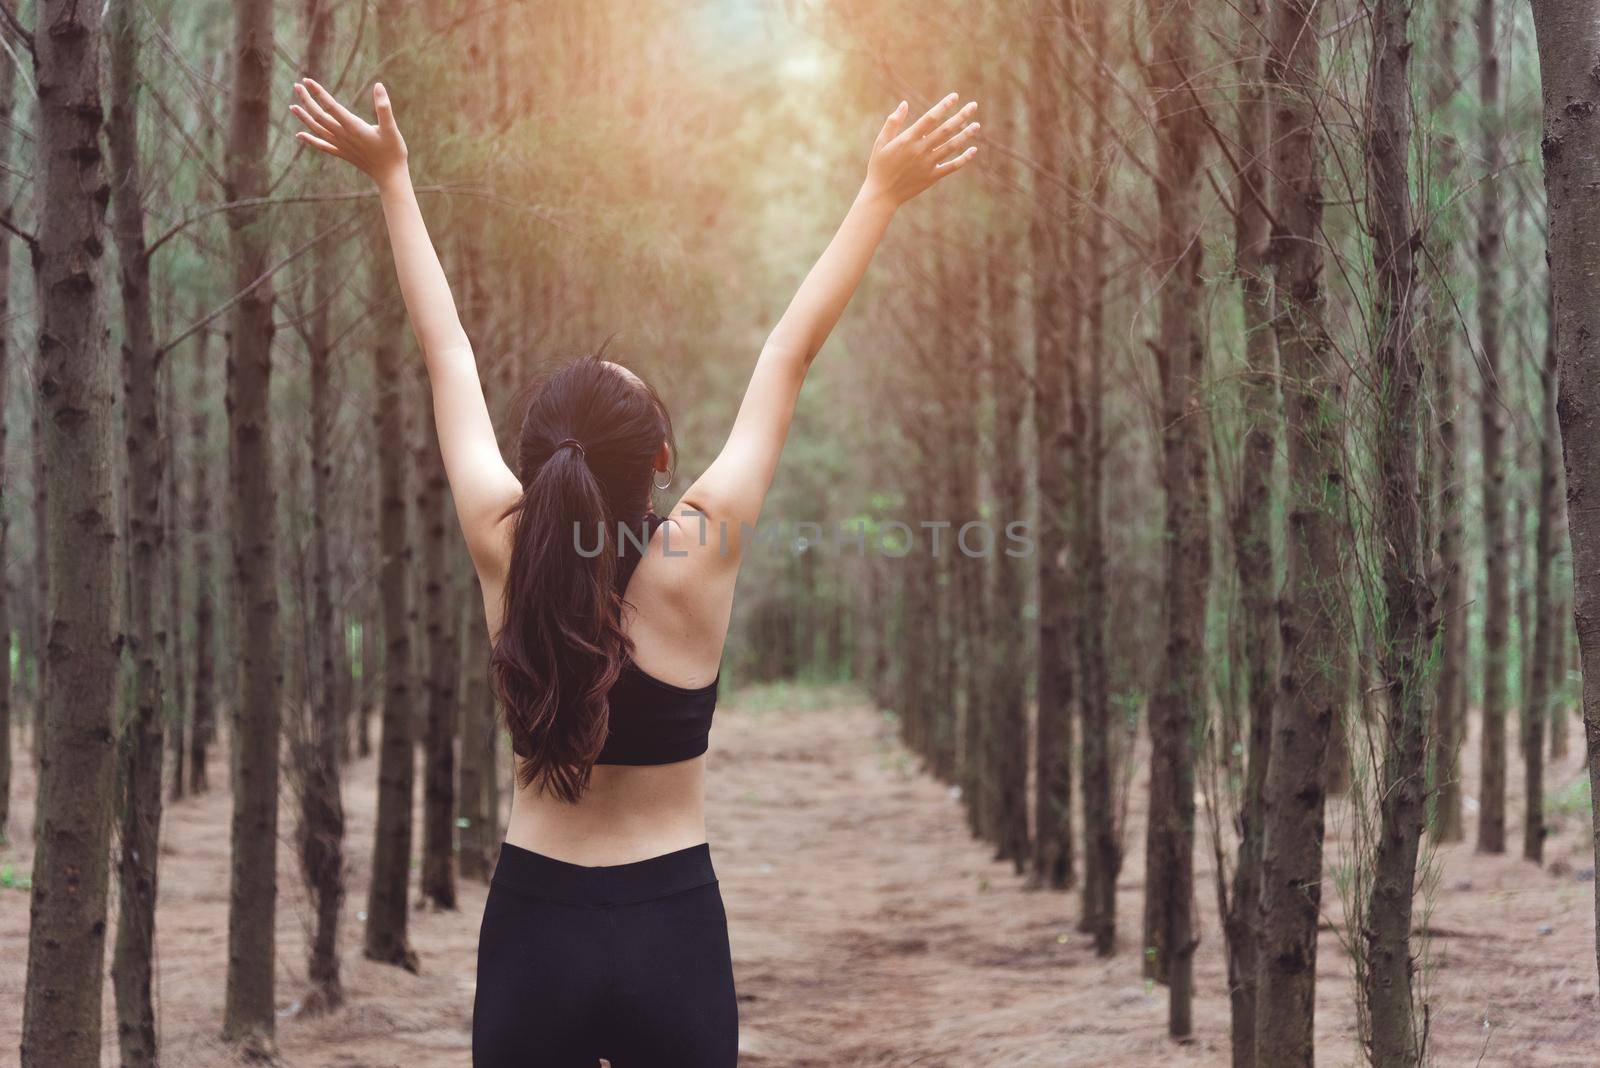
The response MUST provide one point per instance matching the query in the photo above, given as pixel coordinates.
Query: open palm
(375, 148)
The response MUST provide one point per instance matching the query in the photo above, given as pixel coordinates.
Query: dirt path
(869, 929)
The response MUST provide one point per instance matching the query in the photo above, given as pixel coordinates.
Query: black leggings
(629, 963)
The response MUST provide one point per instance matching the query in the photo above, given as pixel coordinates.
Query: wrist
(393, 179)
(876, 198)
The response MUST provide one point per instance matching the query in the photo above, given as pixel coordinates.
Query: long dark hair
(585, 456)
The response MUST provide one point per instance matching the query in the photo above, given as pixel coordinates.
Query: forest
(1171, 643)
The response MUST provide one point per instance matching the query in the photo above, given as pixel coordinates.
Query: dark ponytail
(589, 436)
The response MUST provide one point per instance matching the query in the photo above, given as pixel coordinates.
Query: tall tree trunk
(248, 1010)
(142, 743)
(1314, 684)
(204, 696)
(1492, 408)
(1102, 849)
(1449, 715)
(1251, 523)
(321, 825)
(1407, 621)
(478, 728)
(1052, 854)
(387, 907)
(67, 918)
(8, 84)
(443, 662)
(1008, 653)
(1569, 41)
(173, 565)
(41, 561)
(1181, 690)
(1541, 663)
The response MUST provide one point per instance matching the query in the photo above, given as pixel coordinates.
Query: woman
(604, 933)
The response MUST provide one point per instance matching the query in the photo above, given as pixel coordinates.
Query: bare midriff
(628, 814)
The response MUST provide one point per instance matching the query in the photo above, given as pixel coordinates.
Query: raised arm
(905, 162)
(481, 484)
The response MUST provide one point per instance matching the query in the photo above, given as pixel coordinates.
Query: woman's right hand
(376, 149)
(907, 163)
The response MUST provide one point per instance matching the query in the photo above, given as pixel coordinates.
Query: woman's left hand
(378, 150)
(906, 162)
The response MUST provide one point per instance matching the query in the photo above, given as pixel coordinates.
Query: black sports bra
(654, 722)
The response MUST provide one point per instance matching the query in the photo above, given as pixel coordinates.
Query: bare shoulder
(680, 601)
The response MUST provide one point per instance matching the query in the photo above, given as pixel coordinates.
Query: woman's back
(677, 618)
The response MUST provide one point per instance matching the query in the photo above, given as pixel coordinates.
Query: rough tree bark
(1008, 656)
(1569, 42)
(8, 84)
(1492, 421)
(1181, 688)
(1314, 684)
(248, 1009)
(173, 568)
(1252, 519)
(320, 831)
(1407, 617)
(1541, 663)
(203, 698)
(1052, 854)
(67, 917)
(1102, 848)
(1449, 715)
(443, 664)
(142, 744)
(387, 908)
(479, 728)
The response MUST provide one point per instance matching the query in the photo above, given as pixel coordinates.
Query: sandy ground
(869, 929)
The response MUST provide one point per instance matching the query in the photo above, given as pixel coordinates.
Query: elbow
(793, 359)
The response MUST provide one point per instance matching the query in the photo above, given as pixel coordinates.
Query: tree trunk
(479, 727)
(1541, 663)
(387, 907)
(321, 826)
(248, 1012)
(204, 696)
(1449, 714)
(1181, 689)
(1314, 684)
(1497, 551)
(1569, 41)
(1008, 652)
(8, 85)
(1052, 854)
(1407, 621)
(1102, 848)
(1251, 523)
(173, 567)
(141, 743)
(67, 918)
(443, 662)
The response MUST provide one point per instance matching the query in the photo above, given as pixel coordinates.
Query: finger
(317, 143)
(311, 123)
(956, 164)
(331, 103)
(920, 129)
(380, 103)
(892, 125)
(958, 142)
(316, 110)
(949, 127)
